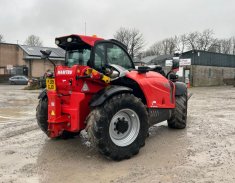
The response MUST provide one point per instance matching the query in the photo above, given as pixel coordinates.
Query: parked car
(18, 80)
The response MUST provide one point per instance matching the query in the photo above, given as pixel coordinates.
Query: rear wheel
(42, 117)
(42, 114)
(179, 116)
(119, 127)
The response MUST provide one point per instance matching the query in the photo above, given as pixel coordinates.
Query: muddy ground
(203, 152)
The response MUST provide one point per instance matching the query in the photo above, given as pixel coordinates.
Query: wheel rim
(124, 127)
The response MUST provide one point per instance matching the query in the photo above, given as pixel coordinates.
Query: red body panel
(89, 40)
(158, 91)
(68, 106)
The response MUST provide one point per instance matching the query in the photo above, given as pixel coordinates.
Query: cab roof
(77, 40)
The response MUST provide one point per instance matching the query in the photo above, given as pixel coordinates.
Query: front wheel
(179, 116)
(119, 127)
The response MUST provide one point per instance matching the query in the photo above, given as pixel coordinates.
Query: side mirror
(175, 64)
(45, 54)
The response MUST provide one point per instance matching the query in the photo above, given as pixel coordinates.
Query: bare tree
(123, 35)
(205, 40)
(215, 47)
(180, 43)
(191, 40)
(167, 45)
(1, 38)
(132, 38)
(172, 44)
(155, 49)
(201, 40)
(226, 46)
(164, 47)
(137, 42)
(233, 46)
(33, 40)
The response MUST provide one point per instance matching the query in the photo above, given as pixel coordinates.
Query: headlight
(69, 39)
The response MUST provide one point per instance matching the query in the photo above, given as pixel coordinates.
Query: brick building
(26, 60)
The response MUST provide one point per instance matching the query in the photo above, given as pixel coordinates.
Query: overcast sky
(156, 19)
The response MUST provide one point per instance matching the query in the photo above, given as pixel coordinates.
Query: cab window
(99, 62)
(116, 55)
(79, 57)
(109, 53)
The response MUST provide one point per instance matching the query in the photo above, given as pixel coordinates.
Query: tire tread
(96, 128)
(179, 117)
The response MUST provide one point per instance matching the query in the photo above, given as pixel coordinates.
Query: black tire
(42, 114)
(42, 117)
(13, 83)
(179, 116)
(99, 123)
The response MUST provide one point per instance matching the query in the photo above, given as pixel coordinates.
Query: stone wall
(211, 76)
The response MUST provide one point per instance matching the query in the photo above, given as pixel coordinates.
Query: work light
(69, 39)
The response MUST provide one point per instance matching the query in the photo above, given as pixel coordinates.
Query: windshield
(117, 56)
(79, 57)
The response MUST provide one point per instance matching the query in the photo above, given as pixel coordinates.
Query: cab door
(108, 52)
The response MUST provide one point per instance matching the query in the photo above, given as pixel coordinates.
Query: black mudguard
(158, 115)
(107, 93)
(180, 88)
(43, 94)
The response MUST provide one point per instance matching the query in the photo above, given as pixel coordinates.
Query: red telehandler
(99, 89)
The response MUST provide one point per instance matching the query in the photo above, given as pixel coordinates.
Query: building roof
(198, 57)
(155, 59)
(33, 52)
(4, 43)
(148, 59)
(206, 58)
(210, 52)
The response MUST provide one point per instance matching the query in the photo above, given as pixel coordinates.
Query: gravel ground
(203, 152)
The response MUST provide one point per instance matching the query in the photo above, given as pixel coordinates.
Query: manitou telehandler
(99, 89)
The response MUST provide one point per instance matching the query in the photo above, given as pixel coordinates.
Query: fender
(180, 88)
(158, 91)
(43, 94)
(107, 93)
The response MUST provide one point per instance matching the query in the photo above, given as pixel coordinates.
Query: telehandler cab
(98, 89)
